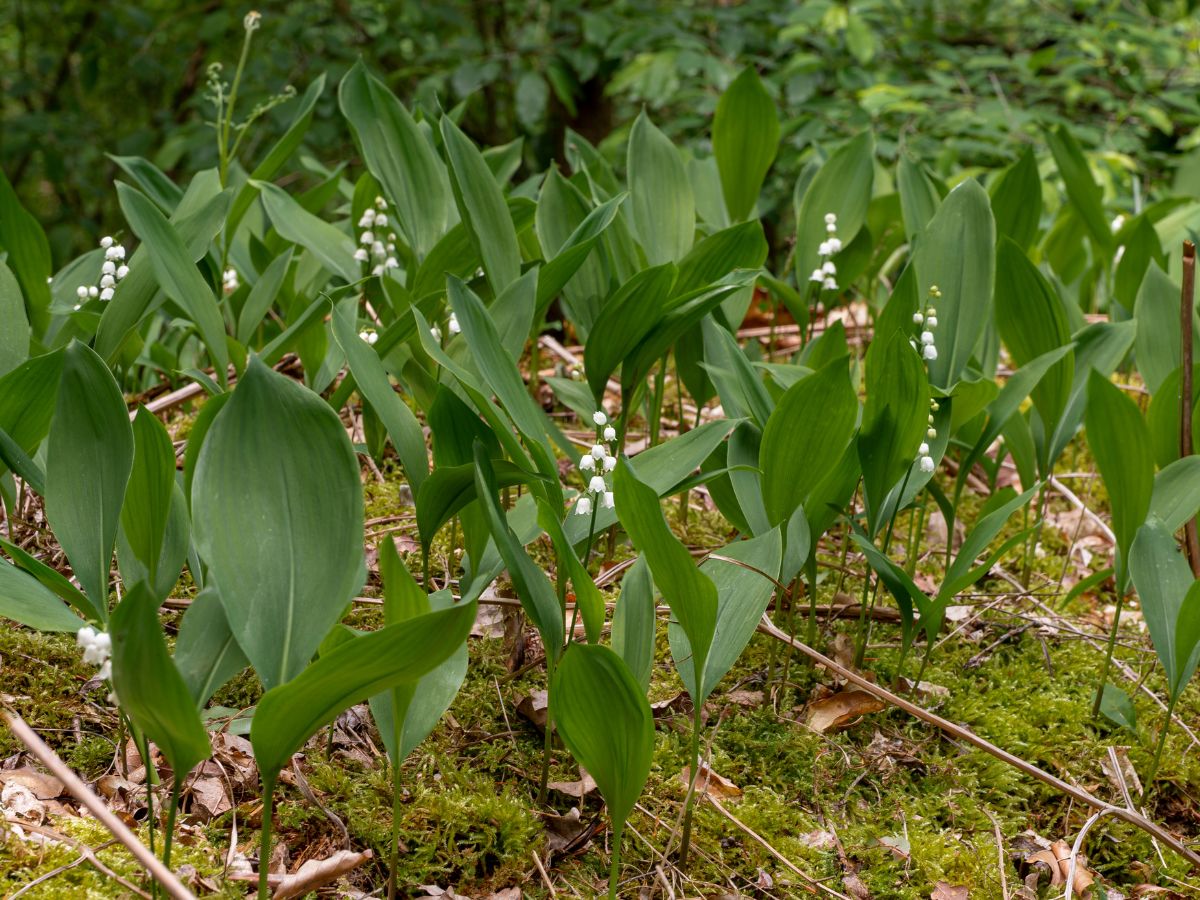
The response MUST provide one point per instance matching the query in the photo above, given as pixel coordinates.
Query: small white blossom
(122, 271)
(830, 218)
(829, 284)
(918, 318)
(598, 451)
(93, 292)
(380, 202)
(931, 433)
(608, 500)
(1118, 223)
(436, 332)
(931, 321)
(926, 464)
(926, 337)
(116, 251)
(583, 506)
(610, 463)
(81, 292)
(390, 263)
(923, 450)
(600, 418)
(361, 254)
(106, 242)
(610, 433)
(381, 220)
(828, 268)
(453, 325)
(229, 281)
(597, 485)
(817, 275)
(109, 267)
(831, 228)
(107, 281)
(930, 352)
(367, 238)
(587, 463)
(106, 294)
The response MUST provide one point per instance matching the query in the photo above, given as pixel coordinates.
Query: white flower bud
(587, 463)
(122, 271)
(372, 338)
(583, 506)
(367, 238)
(926, 464)
(818, 275)
(823, 249)
(926, 337)
(108, 268)
(610, 433)
(597, 485)
(86, 636)
(107, 281)
(835, 246)
(105, 672)
(918, 318)
(106, 294)
(923, 450)
(436, 332)
(930, 352)
(390, 263)
(598, 451)
(829, 268)
(361, 254)
(106, 242)
(381, 220)
(600, 418)
(830, 218)
(608, 500)
(81, 292)
(931, 322)
(380, 202)
(830, 284)
(931, 433)
(93, 292)
(610, 463)
(453, 325)
(831, 229)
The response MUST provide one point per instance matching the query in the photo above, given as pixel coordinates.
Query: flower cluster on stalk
(371, 244)
(111, 271)
(926, 319)
(597, 465)
(97, 651)
(825, 272)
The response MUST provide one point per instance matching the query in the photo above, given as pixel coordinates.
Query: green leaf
(1032, 323)
(842, 186)
(289, 714)
(27, 398)
(1142, 246)
(588, 599)
(481, 204)
(148, 493)
(151, 690)
(1164, 582)
(1176, 496)
(605, 720)
(1082, 189)
(176, 274)
(664, 209)
(919, 197)
(1187, 638)
(206, 652)
(1158, 344)
(372, 379)
(277, 510)
(449, 489)
(88, 461)
(634, 622)
(529, 581)
(573, 257)
(329, 245)
(743, 594)
(1120, 442)
(26, 600)
(1116, 706)
(689, 592)
(1017, 200)
(197, 218)
(151, 181)
(894, 419)
(399, 155)
(14, 324)
(963, 572)
(745, 137)
(805, 437)
(28, 252)
(626, 318)
(957, 253)
(262, 296)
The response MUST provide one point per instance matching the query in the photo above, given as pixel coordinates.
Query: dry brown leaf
(316, 872)
(489, 622)
(566, 834)
(945, 891)
(41, 785)
(510, 893)
(20, 802)
(1123, 777)
(1058, 860)
(900, 847)
(711, 783)
(680, 704)
(926, 689)
(534, 709)
(745, 698)
(818, 840)
(840, 710)
(577, 789)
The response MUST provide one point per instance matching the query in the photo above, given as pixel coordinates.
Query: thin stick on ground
(1187, 300)
(73, 783)
(969, 737)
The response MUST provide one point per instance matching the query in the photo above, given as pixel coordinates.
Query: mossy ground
(469, 819)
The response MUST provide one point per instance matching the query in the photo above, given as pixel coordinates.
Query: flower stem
(1162, 742)
(264, 839)
(685, 841)
(1108, 655)
(171, 812)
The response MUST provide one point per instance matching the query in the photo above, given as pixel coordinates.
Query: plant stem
(233, 89)
(1187, 299)
(548, 739)
(688, 804)
(264, 839)
(171, 812)
(614, 868)
(1108, 655)
(1162, 742)
(394, 849)
(660, 383)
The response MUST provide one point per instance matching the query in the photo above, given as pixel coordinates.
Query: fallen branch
(969, 737)
(73, 783)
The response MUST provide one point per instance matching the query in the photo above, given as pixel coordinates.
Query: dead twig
(73, 783)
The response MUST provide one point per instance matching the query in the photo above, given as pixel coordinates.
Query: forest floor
(863, 801)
